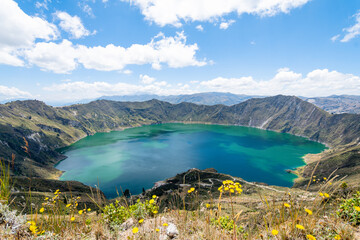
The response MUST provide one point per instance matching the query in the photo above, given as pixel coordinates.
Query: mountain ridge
(47, 128)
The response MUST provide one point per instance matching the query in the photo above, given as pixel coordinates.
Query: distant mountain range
(332, 104)
(209, 98)
(337, 104)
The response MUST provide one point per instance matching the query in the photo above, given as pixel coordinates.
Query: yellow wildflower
(81, 212)
(207, 205)
(155, 212)
(301, 227)
(154, 196)
(141, 220)
(33, 228)
(89, 209)
(232, 190)
(165, 224)
(357, 208)
(42, 210)
(321, 194)
(158, 230)
(151, 201)
(135, 230)
(46, 198)
(274, 232)
(68, 205)
(325, 178)
(310, 237)
(72, 219)
(326, 195)
(287, 205)
(337, 237)
(308, 211)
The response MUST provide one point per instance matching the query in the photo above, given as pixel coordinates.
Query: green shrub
(115, 214)
(350, 209)
(227, 224)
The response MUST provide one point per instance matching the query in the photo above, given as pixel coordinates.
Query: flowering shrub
(115, 214)
(227, 224)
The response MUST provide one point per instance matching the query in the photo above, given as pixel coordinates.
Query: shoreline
(307, 158)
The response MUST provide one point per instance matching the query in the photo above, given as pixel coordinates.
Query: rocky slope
(45, 128)
(337, 104)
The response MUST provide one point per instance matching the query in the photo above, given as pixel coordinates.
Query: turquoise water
(138, 157)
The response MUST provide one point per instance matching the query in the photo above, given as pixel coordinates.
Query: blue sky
(63, 51)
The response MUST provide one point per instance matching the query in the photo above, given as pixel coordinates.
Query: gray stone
(172, 231)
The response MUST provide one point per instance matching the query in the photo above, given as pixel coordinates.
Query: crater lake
(138, 157)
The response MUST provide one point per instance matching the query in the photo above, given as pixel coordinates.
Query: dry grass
(270, 215)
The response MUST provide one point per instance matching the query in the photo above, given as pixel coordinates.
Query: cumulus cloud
(65, 57)
(320, 82)
(173, 12)
(8, 93)
(80, 90)
(145, 79)
(72, 25)
(32, 44)
(58, 58)
(19, 30)
(350, 32)
(226, 25)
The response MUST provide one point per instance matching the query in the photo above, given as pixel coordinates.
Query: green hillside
(47, 128)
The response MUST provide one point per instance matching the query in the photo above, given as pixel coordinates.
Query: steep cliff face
(46, 128)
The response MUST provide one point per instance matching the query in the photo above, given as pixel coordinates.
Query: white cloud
(350, 32)
(19, 30)
(58, 58)
(170, 50)
(72, 25)
(320, 82)
(20, 46)
(127, 71)
(353, 31)
(200, 28)
(226, 25)
(82, 90)
(145, 79)
(7, 93)
(173, 12)
(334, 38)
(65, 57)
